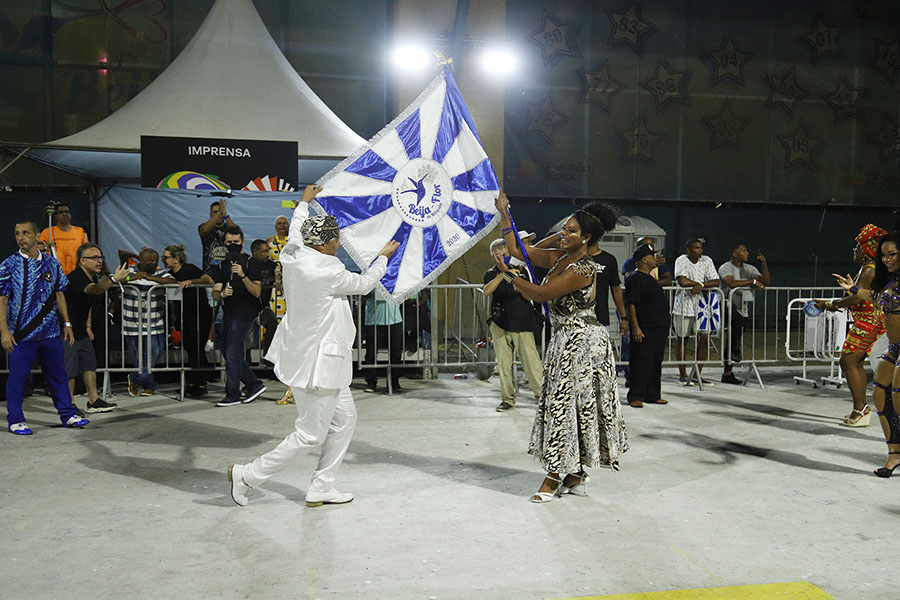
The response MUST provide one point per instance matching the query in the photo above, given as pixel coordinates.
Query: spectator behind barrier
(141, 327)
(744, 279)
(694, 273)
(64, 238)
(212, 234)
(196, 317)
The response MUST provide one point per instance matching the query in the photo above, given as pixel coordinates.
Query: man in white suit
(311, 352)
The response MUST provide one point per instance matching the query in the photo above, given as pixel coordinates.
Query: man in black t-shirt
(239, 285)
(608, 279)
(196, 316)
(513, 322)
(648, 309)
(212, 234)
(84, 294)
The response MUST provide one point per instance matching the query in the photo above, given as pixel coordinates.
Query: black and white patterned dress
(579, 420)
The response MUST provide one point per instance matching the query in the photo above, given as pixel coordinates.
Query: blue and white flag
(424, 181)
(709, 312)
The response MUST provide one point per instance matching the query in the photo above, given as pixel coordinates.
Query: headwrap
(642, 251)
(868, 239)
(319, 230)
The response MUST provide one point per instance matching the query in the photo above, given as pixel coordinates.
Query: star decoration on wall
(798, 146)
(823, 41)
(726, 127)
(887, 58)
(729, 61)
(599, 86)
(544, 118)
(556, 39)
(887, 138)
(786, 91)
(640, 142)
(628, 27)
(667, 85)
(844, 100)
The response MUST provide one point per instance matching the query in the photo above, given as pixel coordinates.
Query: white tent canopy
(231, 81)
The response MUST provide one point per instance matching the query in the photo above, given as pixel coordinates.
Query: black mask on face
(236, 248)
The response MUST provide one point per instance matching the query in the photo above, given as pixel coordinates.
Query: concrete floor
(725, 486)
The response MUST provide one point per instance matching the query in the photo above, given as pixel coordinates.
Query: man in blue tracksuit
(31, 294)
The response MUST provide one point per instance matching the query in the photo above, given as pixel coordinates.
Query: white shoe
(239, 489)
(209, 347)
(314, 499)
(540, 497)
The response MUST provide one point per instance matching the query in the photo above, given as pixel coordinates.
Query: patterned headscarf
(868, 239)
(319, 230)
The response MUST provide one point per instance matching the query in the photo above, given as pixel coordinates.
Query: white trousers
(325, 418)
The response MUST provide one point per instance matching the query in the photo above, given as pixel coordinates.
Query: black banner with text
(218, 164)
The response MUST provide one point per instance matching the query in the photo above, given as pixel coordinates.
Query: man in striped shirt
(143, 320)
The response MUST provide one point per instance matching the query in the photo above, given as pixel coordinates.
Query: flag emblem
(709, 315)
(425, 181)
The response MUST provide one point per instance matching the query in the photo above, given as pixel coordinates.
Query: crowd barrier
(445, 327)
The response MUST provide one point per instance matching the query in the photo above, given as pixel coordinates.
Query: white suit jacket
(312, 345)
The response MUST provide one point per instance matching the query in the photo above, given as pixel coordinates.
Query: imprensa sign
(218, 164)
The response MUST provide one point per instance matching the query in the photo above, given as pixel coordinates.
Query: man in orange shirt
(66, 238)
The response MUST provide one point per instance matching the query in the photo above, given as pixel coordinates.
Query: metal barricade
(444, 326)
(773, 331)
(705, 342)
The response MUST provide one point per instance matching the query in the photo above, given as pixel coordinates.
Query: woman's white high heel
(580, 488)
(540, 497)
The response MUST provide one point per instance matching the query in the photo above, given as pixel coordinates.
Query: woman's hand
(501, 203)
(845, 282)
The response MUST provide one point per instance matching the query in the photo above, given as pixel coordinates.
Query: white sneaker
(314, 499)
(20, 429)
(239, 489)
(209, 347)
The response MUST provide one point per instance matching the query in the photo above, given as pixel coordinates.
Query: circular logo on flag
(422, 192)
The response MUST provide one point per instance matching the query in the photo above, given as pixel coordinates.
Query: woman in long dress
(578, 422)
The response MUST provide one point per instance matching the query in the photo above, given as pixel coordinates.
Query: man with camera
(238, 284)
(513, 323)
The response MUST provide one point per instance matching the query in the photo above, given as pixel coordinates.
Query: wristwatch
(67, 324)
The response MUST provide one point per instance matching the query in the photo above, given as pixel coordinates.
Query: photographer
(513, 322)
(238, 284)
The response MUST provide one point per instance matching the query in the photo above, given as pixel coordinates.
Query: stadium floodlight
(499, 61)
(412, 57)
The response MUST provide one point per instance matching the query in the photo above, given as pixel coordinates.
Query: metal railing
(446, 328)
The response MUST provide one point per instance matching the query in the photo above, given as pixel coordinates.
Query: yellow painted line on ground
(797, 590)
(698, 565)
